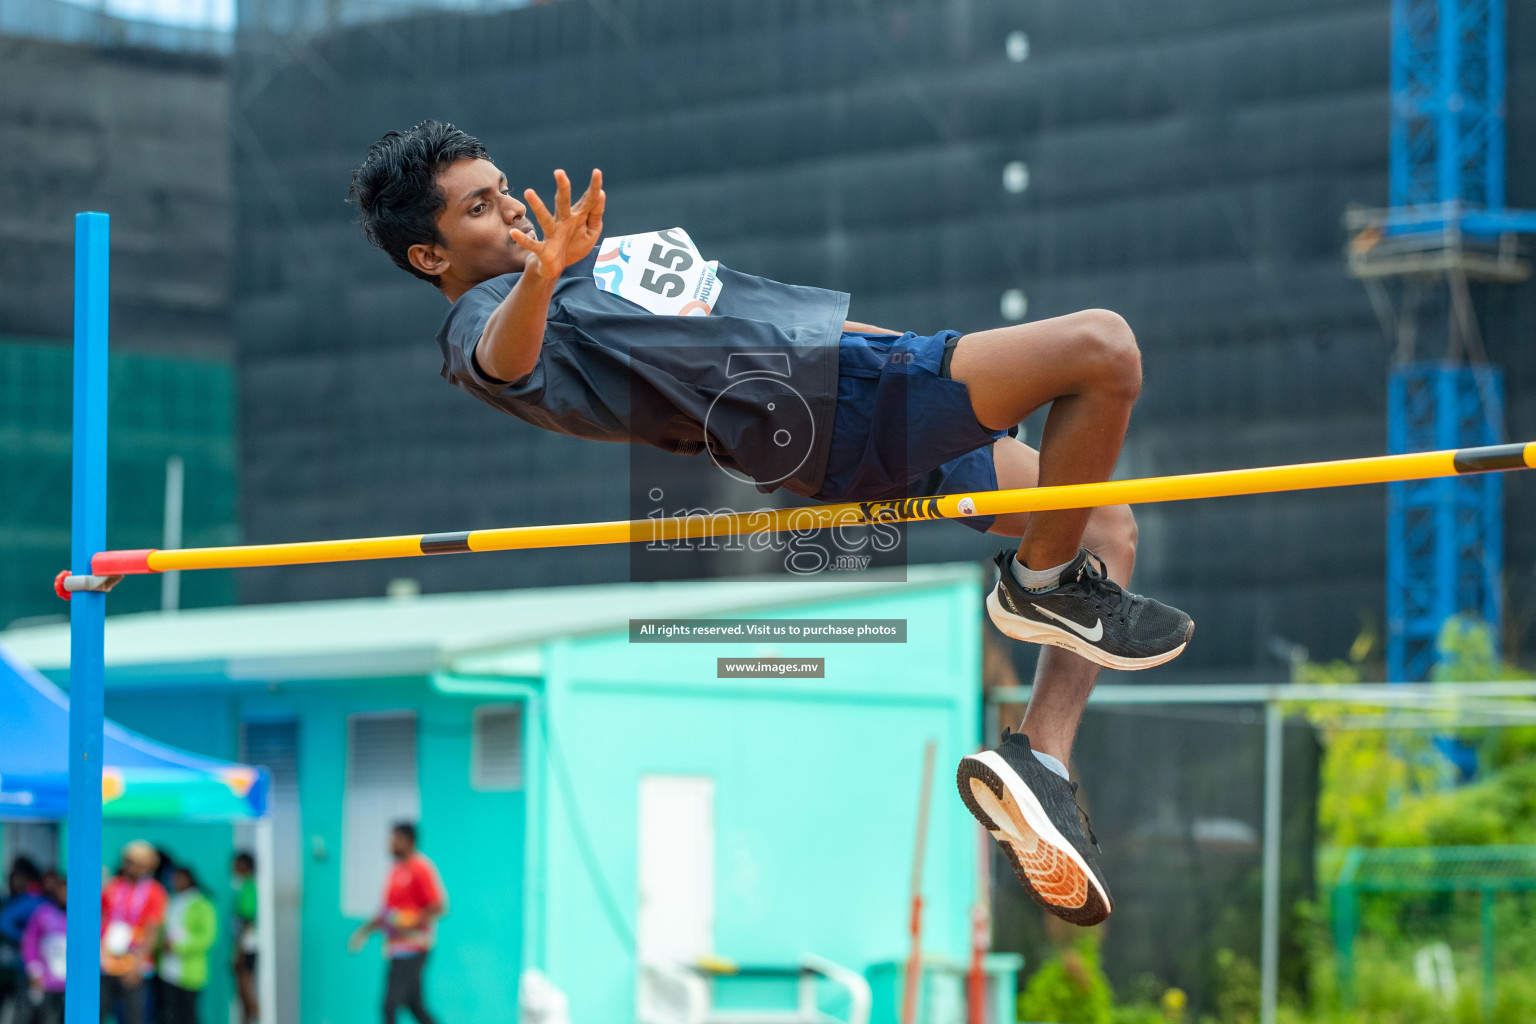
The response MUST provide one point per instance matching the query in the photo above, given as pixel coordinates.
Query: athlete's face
(476, 224)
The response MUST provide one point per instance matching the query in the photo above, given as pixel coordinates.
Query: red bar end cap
(58, 584)
(122, 563)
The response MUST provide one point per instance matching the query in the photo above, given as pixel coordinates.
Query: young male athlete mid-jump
(635, 341)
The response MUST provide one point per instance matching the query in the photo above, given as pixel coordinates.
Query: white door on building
(275, 745)
(677, 868)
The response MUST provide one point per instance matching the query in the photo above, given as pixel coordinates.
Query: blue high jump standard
(87, 622)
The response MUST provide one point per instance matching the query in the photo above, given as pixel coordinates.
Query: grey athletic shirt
(754, 383)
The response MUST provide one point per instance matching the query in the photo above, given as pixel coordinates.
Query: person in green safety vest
(191, 925)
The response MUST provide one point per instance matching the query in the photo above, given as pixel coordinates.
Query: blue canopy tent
(141, 779)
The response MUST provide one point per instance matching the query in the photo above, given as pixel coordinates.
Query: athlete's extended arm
(853, 327)
(509, 346)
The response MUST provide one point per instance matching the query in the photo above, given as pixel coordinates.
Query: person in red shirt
(132, 909)
(414, 898)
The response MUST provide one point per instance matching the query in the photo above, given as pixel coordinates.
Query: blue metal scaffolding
(1447, 134)
(1444, 539)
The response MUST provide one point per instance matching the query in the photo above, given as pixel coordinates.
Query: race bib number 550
(660, 270)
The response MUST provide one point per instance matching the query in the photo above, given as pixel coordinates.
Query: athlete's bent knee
(1114, 356)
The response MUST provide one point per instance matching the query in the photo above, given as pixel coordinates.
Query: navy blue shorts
(904, 428)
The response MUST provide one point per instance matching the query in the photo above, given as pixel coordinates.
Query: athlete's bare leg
(1087, 367)
(1062, 679)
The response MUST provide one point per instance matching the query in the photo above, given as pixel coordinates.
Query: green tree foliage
(1070, 987)
(1386, 787)
(1365, 773)
(1467, 655)
(1500, 808)
(1237, 988)
(1388, 992)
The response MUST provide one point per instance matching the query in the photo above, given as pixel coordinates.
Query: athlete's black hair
(406, 829)
(395, 188)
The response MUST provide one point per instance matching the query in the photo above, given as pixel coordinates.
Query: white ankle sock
(1037, 580)
(1053, 764)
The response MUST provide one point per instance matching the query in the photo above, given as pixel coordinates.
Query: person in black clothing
(244, 942)
(24, 883)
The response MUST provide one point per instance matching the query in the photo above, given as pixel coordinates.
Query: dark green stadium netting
(158, 407)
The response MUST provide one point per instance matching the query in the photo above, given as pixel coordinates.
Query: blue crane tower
(1446, 227)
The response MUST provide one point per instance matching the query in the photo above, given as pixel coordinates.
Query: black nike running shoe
(1089, 614)
(1033, 814)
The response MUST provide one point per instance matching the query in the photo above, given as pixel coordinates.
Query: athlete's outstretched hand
(569, 233)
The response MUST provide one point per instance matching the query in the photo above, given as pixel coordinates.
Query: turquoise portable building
(592, 803)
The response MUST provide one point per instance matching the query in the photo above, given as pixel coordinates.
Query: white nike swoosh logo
(1095, 634)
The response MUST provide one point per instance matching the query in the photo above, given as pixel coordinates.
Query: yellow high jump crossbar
(1265, 480)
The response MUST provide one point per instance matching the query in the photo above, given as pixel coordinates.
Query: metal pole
(1269, 967)
(266, 917)
(912, 989)
(87, 620)
(1422, 696)
(170, 582)
(976, 995)
(1490, 983)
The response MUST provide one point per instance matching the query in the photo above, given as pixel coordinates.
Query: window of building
(38, 841)
(496, 747)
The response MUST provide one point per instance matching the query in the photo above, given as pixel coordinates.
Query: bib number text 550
(678, 259)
